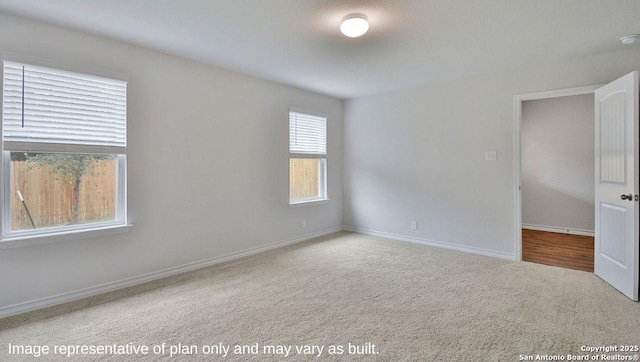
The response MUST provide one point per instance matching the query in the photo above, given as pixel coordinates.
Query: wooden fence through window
(304, 176)
(50, 198)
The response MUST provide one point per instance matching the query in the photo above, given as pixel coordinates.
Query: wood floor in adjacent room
(563, 250)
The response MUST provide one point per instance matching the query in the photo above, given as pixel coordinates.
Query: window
(307, 158)
(63, 152)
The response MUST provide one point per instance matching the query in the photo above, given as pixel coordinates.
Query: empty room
(419, 180)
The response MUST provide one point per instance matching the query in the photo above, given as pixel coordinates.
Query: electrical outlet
(303, 223)
(414, 225)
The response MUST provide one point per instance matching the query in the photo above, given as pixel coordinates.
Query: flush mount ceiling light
(630, 38)
(354, 25)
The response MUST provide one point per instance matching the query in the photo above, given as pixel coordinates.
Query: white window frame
(21, 238)
(323, 164)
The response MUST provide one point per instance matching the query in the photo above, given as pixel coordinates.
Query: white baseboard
(111, 286)
(555, 229)
(439, 244)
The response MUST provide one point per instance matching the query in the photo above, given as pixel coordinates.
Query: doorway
(558, 190)
(554, 234)
(617, 181)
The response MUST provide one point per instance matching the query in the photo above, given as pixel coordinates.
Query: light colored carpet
(414, 303)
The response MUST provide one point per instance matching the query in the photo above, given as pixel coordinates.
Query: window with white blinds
(64, 141)
(44, 106)
(307, 158)
(307, 134)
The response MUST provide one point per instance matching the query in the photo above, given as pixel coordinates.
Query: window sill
(31, 240)
(308, 202)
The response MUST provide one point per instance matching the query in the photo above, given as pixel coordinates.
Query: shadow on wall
(566, 176)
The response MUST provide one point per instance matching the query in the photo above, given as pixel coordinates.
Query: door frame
(517, 122)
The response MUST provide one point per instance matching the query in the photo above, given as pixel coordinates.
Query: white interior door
(616, 199)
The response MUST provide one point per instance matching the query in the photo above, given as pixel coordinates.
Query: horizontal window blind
(307, 134)
(44, 105)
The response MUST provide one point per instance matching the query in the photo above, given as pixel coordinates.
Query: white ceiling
(410, 42)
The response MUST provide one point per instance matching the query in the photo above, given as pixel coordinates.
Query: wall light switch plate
(490, 155)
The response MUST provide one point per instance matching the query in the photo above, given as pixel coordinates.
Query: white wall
(418, 154)
(208, 166)
(557, 163)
